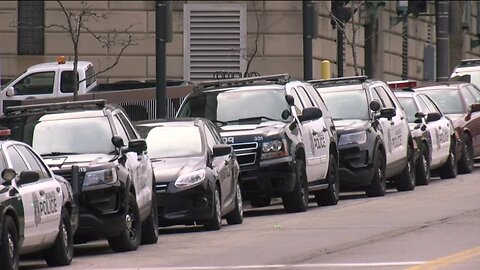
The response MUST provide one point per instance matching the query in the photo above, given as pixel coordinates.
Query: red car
(460, 101)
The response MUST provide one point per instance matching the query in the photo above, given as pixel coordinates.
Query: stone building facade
(211, 36)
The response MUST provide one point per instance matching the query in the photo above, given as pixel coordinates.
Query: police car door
(440, 131)
(314, 137)
(42, 200)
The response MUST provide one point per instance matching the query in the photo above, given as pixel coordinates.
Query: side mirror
(311, 113)
(290, 100)
(375, 105)
(388, 113)
(475, 107)
(221, 150)
(433, 116)
(8, 175)
(27, 177)
(117, 141)
(137, 145)
(419, 115)
(10, 92)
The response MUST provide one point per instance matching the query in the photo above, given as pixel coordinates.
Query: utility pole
(442, 37)
(308, 20)
(162, 17)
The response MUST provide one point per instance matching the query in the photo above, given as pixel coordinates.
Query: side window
(387, 101)
(467, 96)
(305, 97)
(376, 96)
(66, 82)
(128, 127)
(210, 139)
(35, 84)
(423, 105)
(120, 130)
(3, 165)
(475, 92)
(90, 75)
(215, 133)
(298, 102)
(33, 161)
(18, 164)
(317, 97)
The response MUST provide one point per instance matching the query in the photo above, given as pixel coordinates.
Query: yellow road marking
(447, 260)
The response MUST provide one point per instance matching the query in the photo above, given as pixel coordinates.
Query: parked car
(374, 138)
(468, 70)
(97, 144)
(433, 132)
(459, 101)
(284, 145)
(37, 209)
(196, 173)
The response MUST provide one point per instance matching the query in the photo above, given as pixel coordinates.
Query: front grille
(246, 153)
(161, 187)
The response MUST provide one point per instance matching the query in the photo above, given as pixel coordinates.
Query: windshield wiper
(253, 118)
(222, 123)
(59, 154)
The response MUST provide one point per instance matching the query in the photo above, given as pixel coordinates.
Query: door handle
(401, 117)
(41, 192)
(324, 129)
(392, 123)
(314, 132)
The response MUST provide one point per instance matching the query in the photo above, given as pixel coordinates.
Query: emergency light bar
(402, 84)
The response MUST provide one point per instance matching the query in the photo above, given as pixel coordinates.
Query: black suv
(284, 142)
(85, 141)
(374, 138)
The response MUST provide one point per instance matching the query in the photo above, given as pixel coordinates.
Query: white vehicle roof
(53, 65)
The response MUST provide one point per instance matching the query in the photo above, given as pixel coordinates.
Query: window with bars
(214, 40)
(30, 32)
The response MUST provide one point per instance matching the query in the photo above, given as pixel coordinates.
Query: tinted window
(33, 161)
(448, 100)
(90, 75)
(18, 163)
(347, 104)
(35, 84)
(66, 82)
(167, 141)
(408, 104)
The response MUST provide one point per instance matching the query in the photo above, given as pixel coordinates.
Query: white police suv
(37, 209)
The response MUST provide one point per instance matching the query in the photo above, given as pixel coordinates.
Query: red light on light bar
(5, 132)
(402, 84)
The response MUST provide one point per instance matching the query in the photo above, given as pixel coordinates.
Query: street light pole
(442, 36)
(161, 9)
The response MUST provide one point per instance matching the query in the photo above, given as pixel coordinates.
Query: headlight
(273, 149)
(188, 180)
(351, 138)
(108, 176)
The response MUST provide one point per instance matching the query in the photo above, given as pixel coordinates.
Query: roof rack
(469, 62)
(351, 79)
(278, 78)
(14, 110)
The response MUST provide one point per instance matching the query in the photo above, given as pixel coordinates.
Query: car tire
(450, 168)
(260, 202)
(297, 200)
(9, 257)
(422, 167)
(378, 186)
(61, 253)
(405, 181)
(129, 238)
(150, 225)
(236, 216)
(465, 164)
(215, 223)
(330, 195)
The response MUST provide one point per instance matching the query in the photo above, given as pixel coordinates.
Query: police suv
(431, 129)
(281, 133)
(96, 144)
(37, 209)
(374, 138)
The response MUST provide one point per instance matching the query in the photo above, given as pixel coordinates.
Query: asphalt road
(433, 227)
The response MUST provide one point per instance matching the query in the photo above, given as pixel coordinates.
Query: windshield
(448, 100)
(350, 104)
(467, 76)
(76, 136)
(233, 105)
(408, 104)
(163, 142)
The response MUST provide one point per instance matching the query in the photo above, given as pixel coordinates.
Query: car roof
(247, 88)
(67, 65)
(440, 85)
(404, 93)
(174, 122)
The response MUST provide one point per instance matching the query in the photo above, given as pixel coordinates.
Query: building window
(214, 40)
(31, 19)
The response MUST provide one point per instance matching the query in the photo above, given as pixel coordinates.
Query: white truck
(47, 80)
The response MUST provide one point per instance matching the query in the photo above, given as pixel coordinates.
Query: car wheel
(9, 253)
(423, 167)
(297, 200)
(216, 222)
(61, 253)
(465, 164)
(236, 216)
(260, 201)
(405, 181)
(129, 238)
(150, 225)
(449, 169)
(330, 195)
(378, 186)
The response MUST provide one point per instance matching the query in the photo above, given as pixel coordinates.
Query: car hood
(348, 125)
(83, 160)
(264, 128)
(169, 169)
(457, 119)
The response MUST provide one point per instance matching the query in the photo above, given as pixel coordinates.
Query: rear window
(90, 75)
